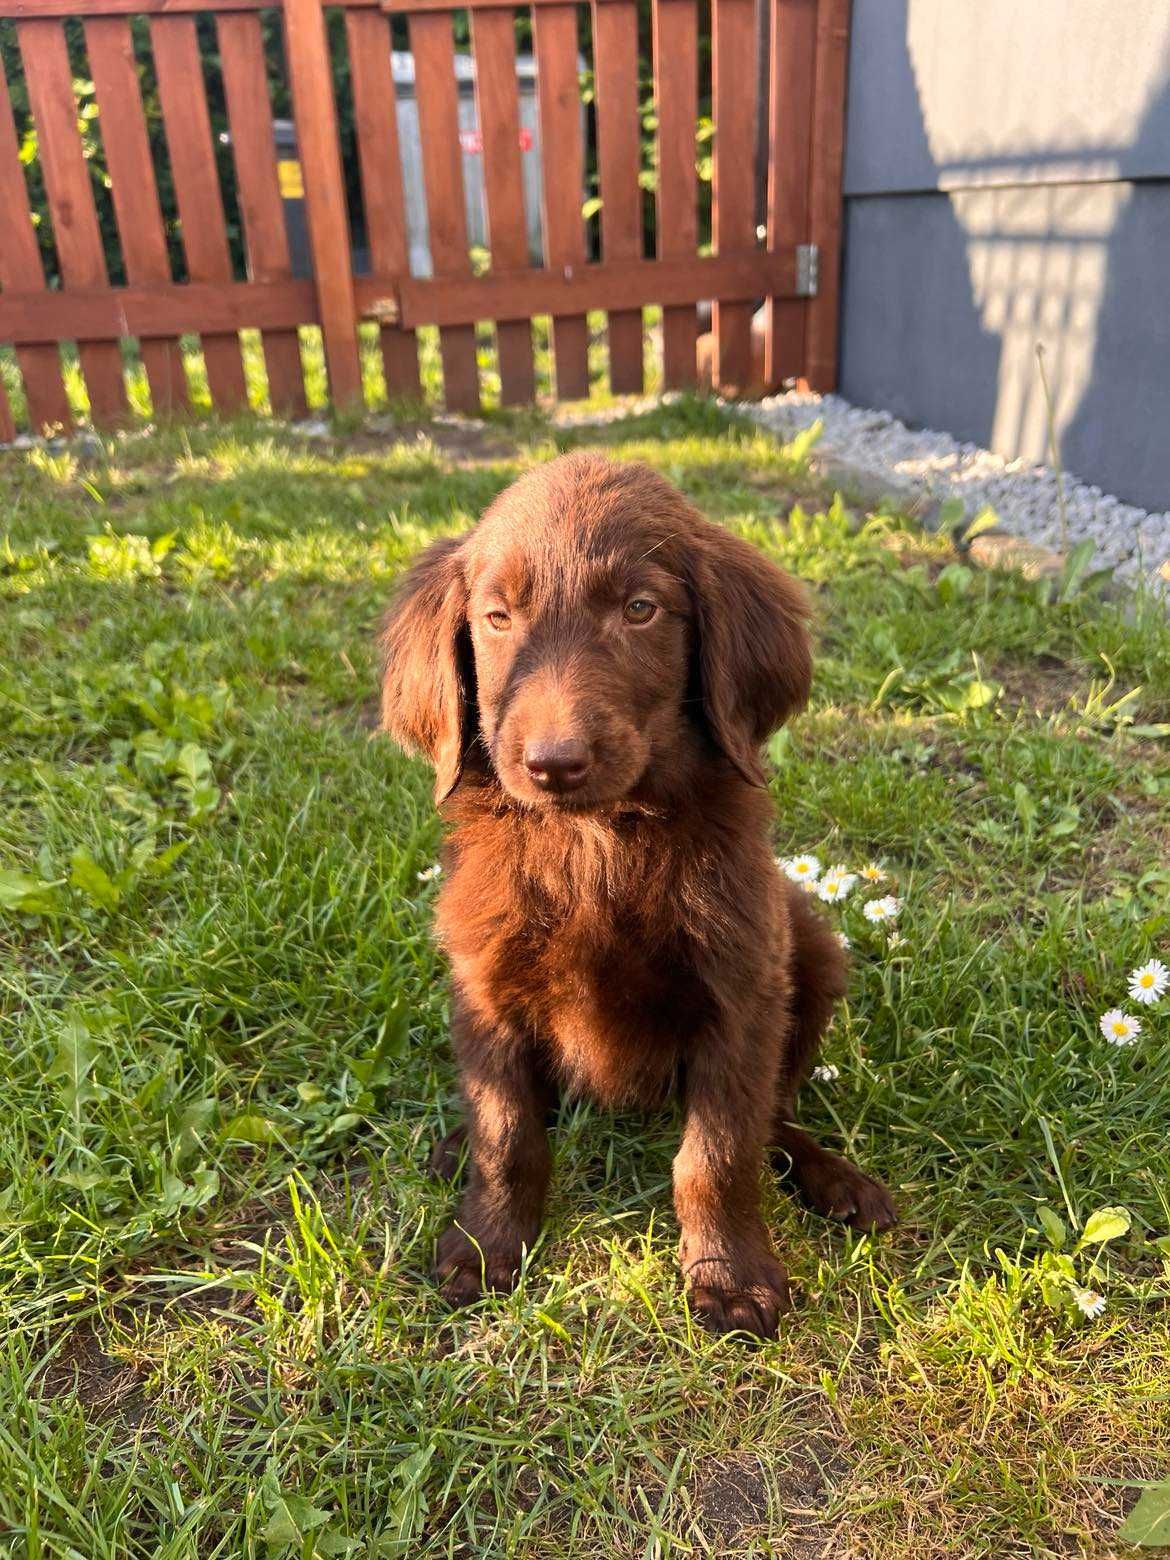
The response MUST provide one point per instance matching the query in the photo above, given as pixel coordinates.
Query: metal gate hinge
(808, 257)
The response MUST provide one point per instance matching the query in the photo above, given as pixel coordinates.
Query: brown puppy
(592, 670)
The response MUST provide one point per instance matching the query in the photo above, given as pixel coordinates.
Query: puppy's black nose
(557, 766)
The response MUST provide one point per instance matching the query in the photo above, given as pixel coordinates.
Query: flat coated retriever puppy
(592, 670)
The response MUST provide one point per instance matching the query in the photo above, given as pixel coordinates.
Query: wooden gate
(790, 260)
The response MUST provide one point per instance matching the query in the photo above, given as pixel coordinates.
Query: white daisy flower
(1089, 1302)
(843, 940)
(1149, 981)
(1120, 1028)
(835, 884)
(429, 874)
(873, 872)
(826, 1073)
(881, 910)
(801, 869)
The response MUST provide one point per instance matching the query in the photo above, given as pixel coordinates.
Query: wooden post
(315, 112)
(825, 186)
(793, 54)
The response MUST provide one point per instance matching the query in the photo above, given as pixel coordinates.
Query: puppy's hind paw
(465, 1272)
(447, 1154)
(838, 1190)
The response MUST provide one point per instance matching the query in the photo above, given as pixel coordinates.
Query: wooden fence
(805, 92)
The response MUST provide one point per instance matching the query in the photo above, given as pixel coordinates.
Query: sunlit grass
(214, 1222)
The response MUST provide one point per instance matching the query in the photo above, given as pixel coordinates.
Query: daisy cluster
(837, 883)
(1147, 985)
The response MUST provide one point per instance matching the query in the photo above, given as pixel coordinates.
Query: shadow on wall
(981, 221)
(1120, 430)
(912, 342)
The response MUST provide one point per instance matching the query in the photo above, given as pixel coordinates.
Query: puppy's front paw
(465, 1271)
(730, 1295)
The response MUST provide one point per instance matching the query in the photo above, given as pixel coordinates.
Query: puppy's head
(574, 636)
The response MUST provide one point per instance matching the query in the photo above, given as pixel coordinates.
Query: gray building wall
(1007, 183)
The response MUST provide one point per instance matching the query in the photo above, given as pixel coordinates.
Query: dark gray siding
(1008, 182)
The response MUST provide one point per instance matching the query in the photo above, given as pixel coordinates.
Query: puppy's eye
(640, 610)
(499, 620)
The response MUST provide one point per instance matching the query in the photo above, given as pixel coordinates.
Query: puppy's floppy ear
(754, 654)
(428, 676)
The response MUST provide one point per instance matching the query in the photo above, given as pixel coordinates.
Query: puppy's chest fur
(596, 947)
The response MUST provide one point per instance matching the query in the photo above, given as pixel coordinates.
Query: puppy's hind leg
(827, 1182)
(447, 1154)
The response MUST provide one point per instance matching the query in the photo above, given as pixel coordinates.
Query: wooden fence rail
(789, 265)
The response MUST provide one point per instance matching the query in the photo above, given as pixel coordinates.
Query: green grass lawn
(223, 1042)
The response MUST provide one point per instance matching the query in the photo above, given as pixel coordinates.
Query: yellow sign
(292, 185)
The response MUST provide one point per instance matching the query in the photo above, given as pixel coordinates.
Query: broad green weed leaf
(1148, 1524)
(377, 1070)
(1053, 1226)
(158, 866)
(250, 1128)
(31, 896)
(293, 1518)
(779, 747)
(1025, 806)
(1105, 1225)
(76, 1054)
(954, 582)
(93, 881)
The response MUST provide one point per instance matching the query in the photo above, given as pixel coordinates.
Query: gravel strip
(934, 466)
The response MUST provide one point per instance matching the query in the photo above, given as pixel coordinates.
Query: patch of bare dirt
(1044, 685)
(465, 441)
(740, 1503)
(108, 1387)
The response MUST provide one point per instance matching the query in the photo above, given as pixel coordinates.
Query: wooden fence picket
(249, 110)
(615, 49)
(498, 112)
(733, 195)
(21, 273)
(554, 30)
(135, 193)
(78, 239)
(676, 101)
(187, 128)
(433, 46)
(380, 168)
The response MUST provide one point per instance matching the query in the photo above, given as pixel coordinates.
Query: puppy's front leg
(735, 1281)
(508, 1164)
